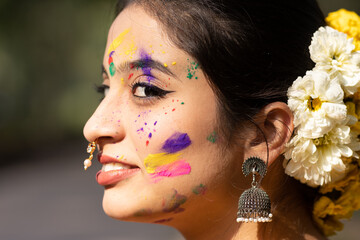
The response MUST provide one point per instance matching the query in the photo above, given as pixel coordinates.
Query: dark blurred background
(50, 57)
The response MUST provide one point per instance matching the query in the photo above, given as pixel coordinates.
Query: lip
(103, 159)
(114, 176)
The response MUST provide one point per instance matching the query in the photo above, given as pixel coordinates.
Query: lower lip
(114, 176)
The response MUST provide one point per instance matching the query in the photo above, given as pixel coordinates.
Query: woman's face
(157, 129)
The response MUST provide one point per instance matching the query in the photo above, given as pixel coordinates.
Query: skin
(210, 213)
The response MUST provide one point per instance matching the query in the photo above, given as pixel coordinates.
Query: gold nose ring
(90, 149)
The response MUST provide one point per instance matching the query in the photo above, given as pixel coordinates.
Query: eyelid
(154, 86)
(102, 89)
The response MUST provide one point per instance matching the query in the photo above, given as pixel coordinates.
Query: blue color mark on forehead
(177, 142)
(146, 70)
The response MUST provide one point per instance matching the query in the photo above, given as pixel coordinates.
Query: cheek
(152, 126)
(160, 145)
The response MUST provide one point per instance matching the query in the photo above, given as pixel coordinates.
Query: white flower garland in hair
(323, 137)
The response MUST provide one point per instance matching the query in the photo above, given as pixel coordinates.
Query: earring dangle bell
(254, 203)
(90, 149)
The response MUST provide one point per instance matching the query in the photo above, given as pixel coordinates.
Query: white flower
(317, 104)
(318, 161)
(333, 52)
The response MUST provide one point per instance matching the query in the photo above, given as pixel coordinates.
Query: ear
(275, 124)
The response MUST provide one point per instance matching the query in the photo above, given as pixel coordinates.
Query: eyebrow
(143, 64)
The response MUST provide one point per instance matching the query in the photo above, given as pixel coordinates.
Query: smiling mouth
(116, 166)
(114, 171)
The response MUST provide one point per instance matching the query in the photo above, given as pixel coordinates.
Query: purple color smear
(163, 220)
(155, 123)
(177, 142)
(150, 135)
(146, 58)
(112, 52)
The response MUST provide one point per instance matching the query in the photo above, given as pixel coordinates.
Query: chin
(120, 207)
(116, 206)
(133, 210)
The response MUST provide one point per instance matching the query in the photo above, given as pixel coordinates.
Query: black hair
(250, 50)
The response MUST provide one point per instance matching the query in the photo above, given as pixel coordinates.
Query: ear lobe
(275, 121)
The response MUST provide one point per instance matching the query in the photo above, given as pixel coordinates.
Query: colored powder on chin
(163, 220)
(200, 190)
(112, 69)
(152, 161)
(177, 142)
(143, 212)
(174, 169)
(118, 40)
(175, 201)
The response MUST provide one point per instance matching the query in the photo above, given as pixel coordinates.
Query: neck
(291, 216)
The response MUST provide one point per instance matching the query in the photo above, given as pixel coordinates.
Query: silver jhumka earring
(254, 203)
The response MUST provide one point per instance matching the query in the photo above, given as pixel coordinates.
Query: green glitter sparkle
(212, 137)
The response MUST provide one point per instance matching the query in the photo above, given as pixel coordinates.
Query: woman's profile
(219, 121)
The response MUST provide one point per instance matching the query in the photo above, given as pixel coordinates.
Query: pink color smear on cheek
(174, 169)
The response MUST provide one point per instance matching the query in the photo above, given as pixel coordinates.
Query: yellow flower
(340, 185)
(347, 22)
(351, 109)
(327, 212)
(349, 200)
(323, 213)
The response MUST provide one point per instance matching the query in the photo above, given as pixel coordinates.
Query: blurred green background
(50, 57)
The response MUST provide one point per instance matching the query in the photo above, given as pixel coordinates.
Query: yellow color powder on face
(130, 50)
(152, 161)
(173, 63)
(117, 41)
(165, 65)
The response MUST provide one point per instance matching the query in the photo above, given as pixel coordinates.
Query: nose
(105, 123)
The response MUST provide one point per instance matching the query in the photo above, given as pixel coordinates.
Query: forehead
(134, 30)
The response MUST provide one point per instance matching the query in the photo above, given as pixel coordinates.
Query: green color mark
(189, 76)
(212, 137)
(200, 190)
(182, 103)
(174, 202)
(112, 69)
(192, 70)
(142, 212)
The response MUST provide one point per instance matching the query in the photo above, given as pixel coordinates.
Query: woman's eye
(103, 89)
(144, 90)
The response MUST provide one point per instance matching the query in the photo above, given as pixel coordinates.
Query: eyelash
(102, 89)
(156, 92)
(153, 91)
